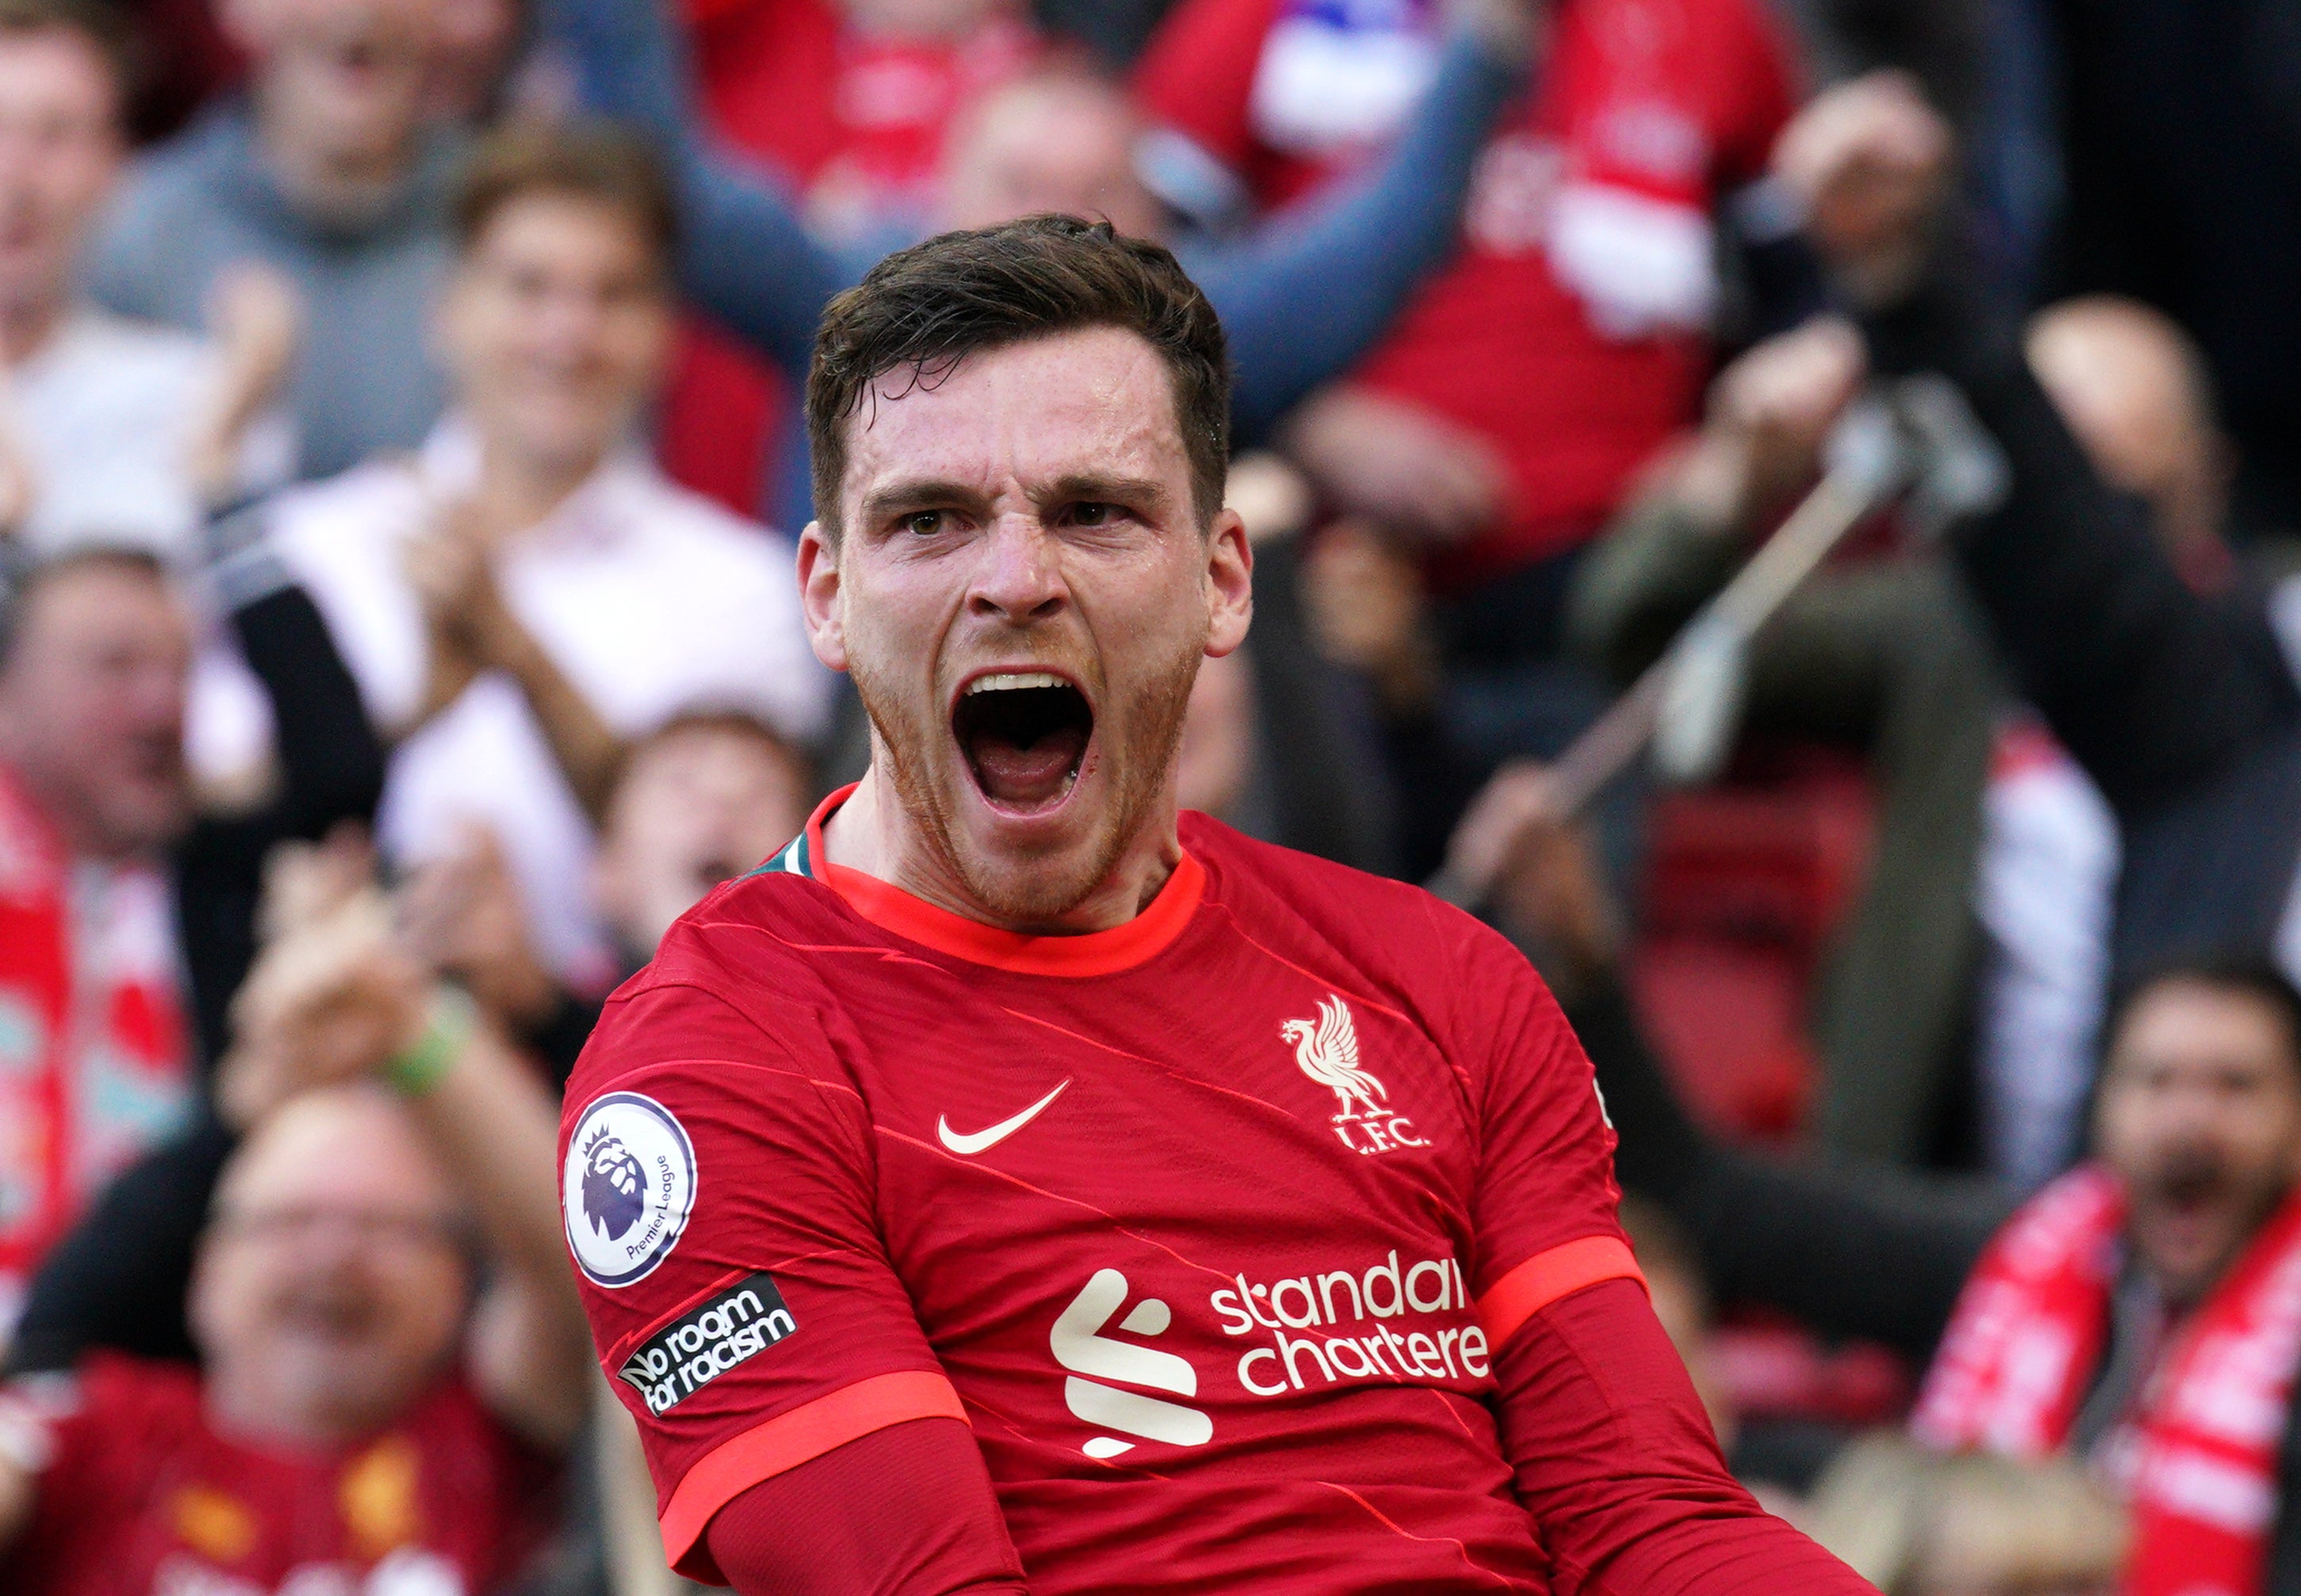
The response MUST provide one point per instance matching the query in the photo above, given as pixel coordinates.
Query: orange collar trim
(1093, 953)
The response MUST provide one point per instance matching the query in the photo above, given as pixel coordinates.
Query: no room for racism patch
(706, 1341)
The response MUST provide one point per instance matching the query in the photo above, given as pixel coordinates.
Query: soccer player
(1018, 1184)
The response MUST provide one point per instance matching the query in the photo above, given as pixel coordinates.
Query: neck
(243, 1405)
(68, 818)
(27, 324)
(519, 489)
(873, 832)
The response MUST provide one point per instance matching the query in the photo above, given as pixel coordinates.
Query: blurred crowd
(399, 461)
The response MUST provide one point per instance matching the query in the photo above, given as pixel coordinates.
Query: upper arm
(719, 1198)
(1543, 1211)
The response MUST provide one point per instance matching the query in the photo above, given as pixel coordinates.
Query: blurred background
(399, 466)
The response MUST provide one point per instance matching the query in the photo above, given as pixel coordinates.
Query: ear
(1230, 584)
(820, 597)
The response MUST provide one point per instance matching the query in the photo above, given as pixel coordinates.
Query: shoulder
(374, 501)
(1446, 967)
(1372, 912)
(174, 181)
(701, 530)
(735, 980)
(1468, 987)
(110, 1395)
(141, 349)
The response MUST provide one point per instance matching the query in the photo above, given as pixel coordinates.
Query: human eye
(923, 523)
(1093, 513)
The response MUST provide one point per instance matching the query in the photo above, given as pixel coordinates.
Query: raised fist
(1870, 163)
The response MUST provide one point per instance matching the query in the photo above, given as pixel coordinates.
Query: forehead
(107, 600)
(2181, 1021)
(1097, 402)
(346, 1148)
(54, 63)
(561, 227)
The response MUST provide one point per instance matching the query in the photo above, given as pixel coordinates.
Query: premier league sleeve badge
(628, 1188)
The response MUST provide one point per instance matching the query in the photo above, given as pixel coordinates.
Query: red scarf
(95, 1060)
(2198, 1455)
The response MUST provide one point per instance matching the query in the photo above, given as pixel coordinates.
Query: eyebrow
(921, 493)
(1089, 489)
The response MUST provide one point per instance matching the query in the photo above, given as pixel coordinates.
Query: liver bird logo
(1327, 1049)
(613, 1178)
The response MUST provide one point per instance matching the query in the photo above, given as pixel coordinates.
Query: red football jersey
(1209, 1224)
(1570, 328)
(140, 1496)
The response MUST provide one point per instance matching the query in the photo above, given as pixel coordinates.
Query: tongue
(1026, 778)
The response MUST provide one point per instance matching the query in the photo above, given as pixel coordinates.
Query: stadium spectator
(1996, 854)
(700, 800)
(1300, 298)
(389, 1345)
(706, 796)
(2139, 1312)
(1586, 269)
(2120, 1291)
(2180, 705)
(327, 171)
(529, 589)
(123, 905)
(102, 414)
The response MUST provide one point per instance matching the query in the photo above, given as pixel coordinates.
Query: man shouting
(1018, 1184)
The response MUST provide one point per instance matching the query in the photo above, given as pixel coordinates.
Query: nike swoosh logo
(966, 1146)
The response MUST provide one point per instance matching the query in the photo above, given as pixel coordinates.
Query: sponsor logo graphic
(628, 1189)
(1327, 1049)
(706, 1341)
(967, 1145)
(1079, 1345)
(1361, 1306)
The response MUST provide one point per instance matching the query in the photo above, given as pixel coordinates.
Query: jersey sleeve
(718, 1183)
(1543, 1209)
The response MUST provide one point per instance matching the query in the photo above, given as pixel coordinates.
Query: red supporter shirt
(1571, 329)
(1210, 1226)
(139, 1496)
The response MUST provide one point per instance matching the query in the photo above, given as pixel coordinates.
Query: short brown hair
(100, 25)
(590, 161)
(928, 307)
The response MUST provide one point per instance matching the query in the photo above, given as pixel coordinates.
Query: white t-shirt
(104, 413)
(650, 600)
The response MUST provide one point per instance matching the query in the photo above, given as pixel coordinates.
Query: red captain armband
(1545, 1277)
(799, 1436)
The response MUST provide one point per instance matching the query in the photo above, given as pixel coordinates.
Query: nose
(1018, 580)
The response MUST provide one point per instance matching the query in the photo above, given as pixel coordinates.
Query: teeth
(1007, 681)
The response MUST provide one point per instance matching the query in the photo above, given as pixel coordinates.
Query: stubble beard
(1035, 890)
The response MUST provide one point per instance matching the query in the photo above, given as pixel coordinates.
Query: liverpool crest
(1327, 1049)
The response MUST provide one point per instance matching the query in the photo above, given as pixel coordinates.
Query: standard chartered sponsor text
(1321, 1304)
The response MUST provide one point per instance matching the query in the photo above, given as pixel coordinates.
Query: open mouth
(1025, 735)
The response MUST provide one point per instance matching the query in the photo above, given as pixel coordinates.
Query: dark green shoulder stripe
(791, 861)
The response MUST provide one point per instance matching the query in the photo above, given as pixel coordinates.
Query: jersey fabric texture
(138, 1495)
(1586, 273)
(1211, 1225)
